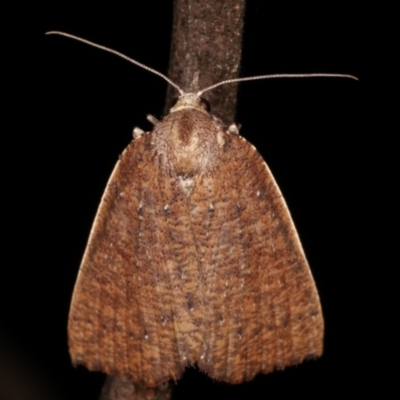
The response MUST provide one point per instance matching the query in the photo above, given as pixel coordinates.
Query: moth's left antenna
(119, 55)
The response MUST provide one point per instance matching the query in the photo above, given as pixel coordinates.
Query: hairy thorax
(188, 142)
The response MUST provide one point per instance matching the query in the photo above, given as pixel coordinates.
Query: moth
(193, 258)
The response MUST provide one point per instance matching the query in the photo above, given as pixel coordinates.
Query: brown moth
(193, 258)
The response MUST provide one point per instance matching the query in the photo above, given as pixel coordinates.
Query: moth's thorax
(188, 142)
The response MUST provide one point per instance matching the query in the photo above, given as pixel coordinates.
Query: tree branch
(207, 38)
(120, 388)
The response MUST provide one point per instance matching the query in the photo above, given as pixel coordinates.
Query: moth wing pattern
(123, 318)
(262, 310)
(211, 273)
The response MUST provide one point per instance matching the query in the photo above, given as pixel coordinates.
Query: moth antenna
(253, 78)
(79, 39)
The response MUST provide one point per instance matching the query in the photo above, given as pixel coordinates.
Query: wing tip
(144, 380)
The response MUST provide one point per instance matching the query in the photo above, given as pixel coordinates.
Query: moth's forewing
(193, 258)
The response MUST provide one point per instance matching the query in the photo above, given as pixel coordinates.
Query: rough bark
(119, 388)
(207, 38)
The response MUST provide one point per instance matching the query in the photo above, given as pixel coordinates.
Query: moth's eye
(205, 104)
(174, 101)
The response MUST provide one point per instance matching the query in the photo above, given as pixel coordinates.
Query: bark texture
(207, 38)
(120, 388)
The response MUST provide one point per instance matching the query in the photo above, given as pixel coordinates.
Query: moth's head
(191, 100)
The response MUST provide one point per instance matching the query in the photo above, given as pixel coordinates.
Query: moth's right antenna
(274, 76)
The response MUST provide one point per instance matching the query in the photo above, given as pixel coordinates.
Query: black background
(73, 108)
